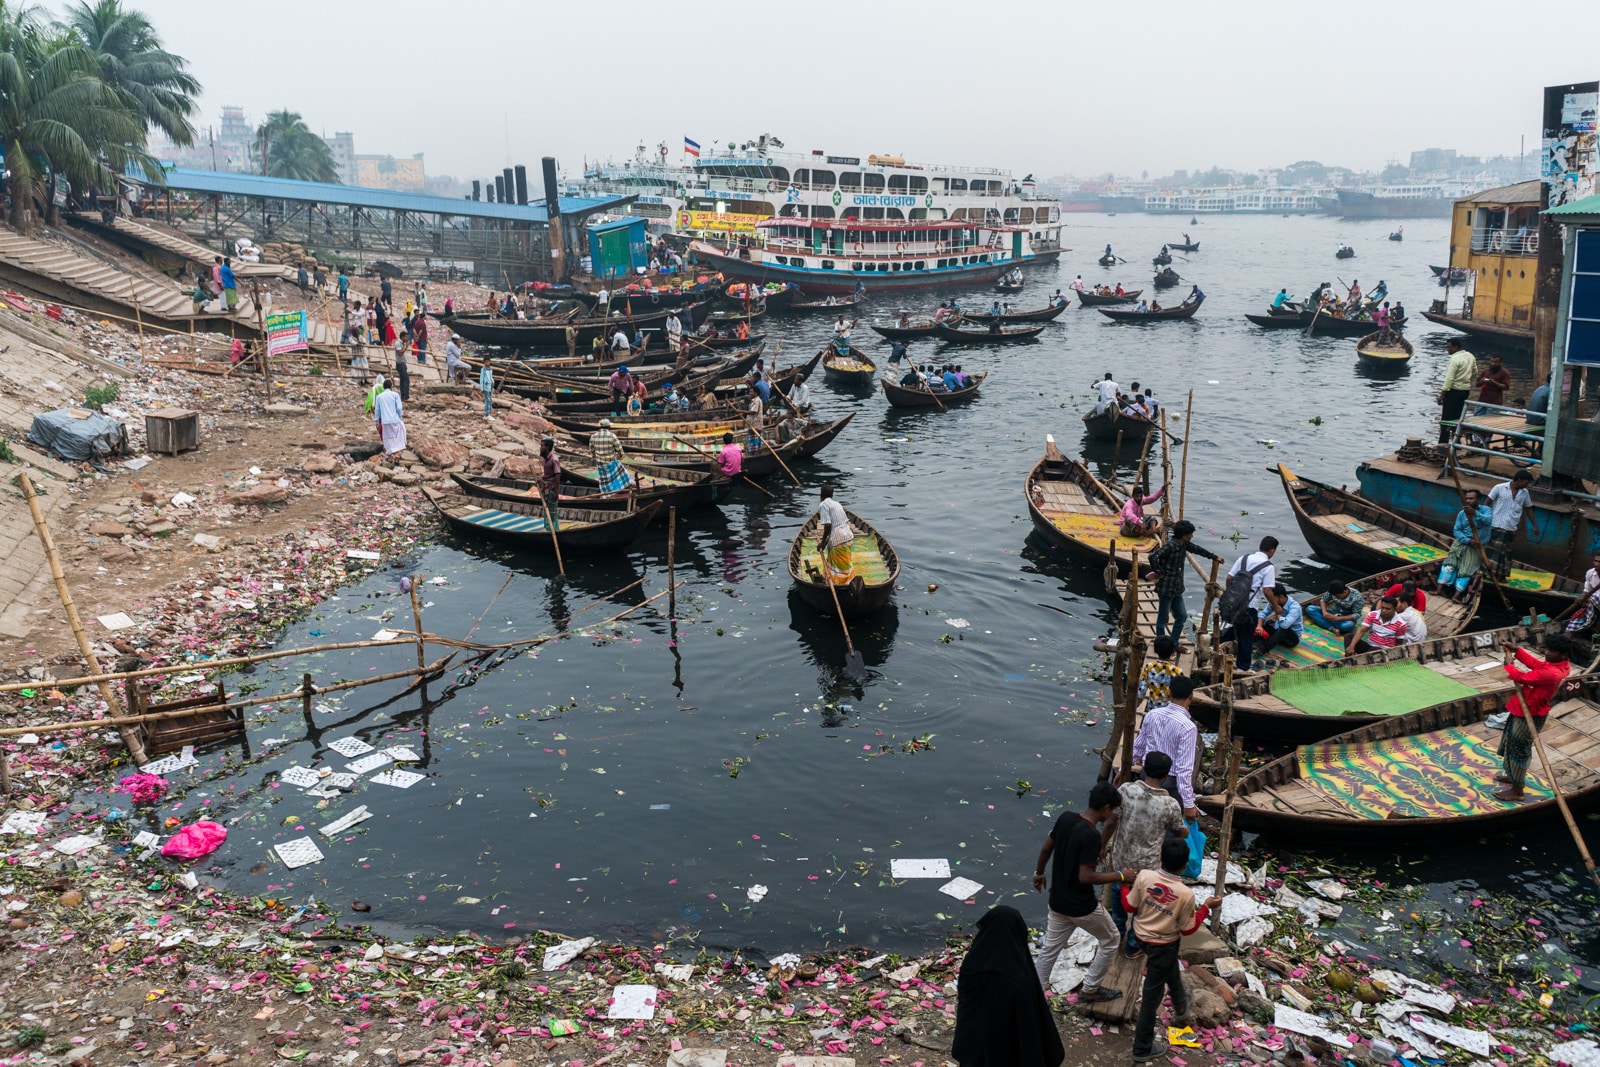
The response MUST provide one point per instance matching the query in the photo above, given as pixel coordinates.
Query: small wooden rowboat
(1312, 703)
(839, 304)
(1184, 246)
(1008, 287)
(1185, 310)
(578, 529)
(920, 328)
(901, 396)
(1279, 320)
(775, 296)
(1162, 260)
(1166, 279)
(1398, 235)
(1342, 527)
(1089, 300)
(1045, 314)
(1107, 424)
(875, 568)
(1394, 352)
(1345, 253)
(1429, 772)
(1075, 511)
(857, 368)
(1107, 261)
(674, 488)
(1004, 335)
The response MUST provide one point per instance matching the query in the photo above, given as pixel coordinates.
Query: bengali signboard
(287, 332)
(726, 222)
(1567, 159)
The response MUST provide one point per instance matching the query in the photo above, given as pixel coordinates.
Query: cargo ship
(1409, 200)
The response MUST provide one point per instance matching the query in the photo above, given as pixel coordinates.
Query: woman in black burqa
(1002, 1019)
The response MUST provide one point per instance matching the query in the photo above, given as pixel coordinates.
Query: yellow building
(1494, 248)
(387, 172)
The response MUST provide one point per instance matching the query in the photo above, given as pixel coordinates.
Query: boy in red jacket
(1537, 682)
(1163, 911)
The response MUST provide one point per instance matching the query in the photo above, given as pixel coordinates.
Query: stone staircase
(178, 245)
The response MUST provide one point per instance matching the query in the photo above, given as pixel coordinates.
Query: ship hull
(1358, 205)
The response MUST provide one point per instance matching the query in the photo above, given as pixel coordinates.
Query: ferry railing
(1505, 241)
(1475, 438)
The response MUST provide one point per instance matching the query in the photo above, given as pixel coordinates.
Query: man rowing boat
(833, 542)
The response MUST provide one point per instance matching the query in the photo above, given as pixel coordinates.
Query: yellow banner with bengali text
(710, 220)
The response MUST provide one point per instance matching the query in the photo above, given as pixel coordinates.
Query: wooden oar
(549, 524)
(855, 667)
(775, 455)
(1561, 799)
(743, 477)
(1312, 325)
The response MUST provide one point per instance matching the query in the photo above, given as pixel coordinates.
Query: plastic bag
(1197, 849)
(195, 840)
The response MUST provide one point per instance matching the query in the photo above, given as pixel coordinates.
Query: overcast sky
(1077, 88)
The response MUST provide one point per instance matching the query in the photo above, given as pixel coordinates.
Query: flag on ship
(691, 148)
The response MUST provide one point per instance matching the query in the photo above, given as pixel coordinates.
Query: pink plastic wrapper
(195, 840)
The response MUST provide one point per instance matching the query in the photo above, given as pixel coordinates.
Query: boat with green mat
(1421, 773)
(1442, 616)
(1312, 703)
(1342, 527)
(874, 569)
(578, 529)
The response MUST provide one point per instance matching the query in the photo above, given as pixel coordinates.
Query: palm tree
(293, 151)
(56, 116)
(130, 59)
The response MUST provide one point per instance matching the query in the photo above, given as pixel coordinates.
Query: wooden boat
(1279, 320)
(1359, 690)
(1162, 260)
(534, 333)
(731, 319)
(1089, 300)
(1008, 287)
(600, 373)
(719, 343)
(1450, 275)
(567, 389)
(1075, 511)
(1397, 236)
(757, 461)
(1184, 246)
(775, 296)
(1342, 527)
(1427, 773)
(523, 524)
(674, 488)
(901, 396)
(1166, 279)
(855, 369)
(921, 328)
(832, 303)
(1107, 261)
(1045, 314)
(1395, 352)
(1327, 323)
(820, 436)
(589, 423)
(639, 299)
(1185, 310)
(873, 559)
(1004, 335)
(1345, 253)
(1107, 424)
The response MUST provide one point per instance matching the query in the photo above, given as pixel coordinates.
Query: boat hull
(1517, 339)
(841, 282)
(856, 598)
(1358, 205)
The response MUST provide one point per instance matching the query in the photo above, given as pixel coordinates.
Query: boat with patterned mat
(675, 488)
(854, 367)
(1312, 703)
(874, 569)
(1444, 617)
(578, 529)
(1342, 527)
(1423, 772)
(1074, 510)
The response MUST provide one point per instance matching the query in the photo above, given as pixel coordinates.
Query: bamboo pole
(129, 737)
(1225, 845)
(416, 613)
(1225, 717)
(672, 548)
(1166, 474)
(1485, 564)
(138, 315)
(1188, 432)
(1211, 585)
(1561, 799)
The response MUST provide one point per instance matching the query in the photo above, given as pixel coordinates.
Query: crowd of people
(1139, 400)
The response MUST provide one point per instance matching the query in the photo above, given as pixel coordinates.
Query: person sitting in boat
(952, 381)
(742, 331)
(1150, 403)
(995, 309)
(861, 291)
(1379, 292)
(1135, 523)
(905, 320)
(707, 329)
(1380, 628)
(1397, 315)
(1120, 290)
(1155, 304)
(940, 314)
(1194, 297)
(1281, 299)
(963, 379)
(912, 377)
(1142, 308)
(800, 393)
(1339, 609)
(790, 426)
(932, 380)
(1166, 251)
(994, 324)
(674, 400)
(955, 308)
(1133, 404)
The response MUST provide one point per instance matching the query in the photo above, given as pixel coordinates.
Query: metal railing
(1506, 241)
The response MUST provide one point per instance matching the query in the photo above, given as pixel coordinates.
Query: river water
(614, 784)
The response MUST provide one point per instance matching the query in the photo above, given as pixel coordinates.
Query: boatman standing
(1105, 393)
(833, 543)
(1077, 284)
(610, 475)
(389, 413)
(550, 479)
(1459, 374)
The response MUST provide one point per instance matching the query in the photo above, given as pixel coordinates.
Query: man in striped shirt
(1383, 628)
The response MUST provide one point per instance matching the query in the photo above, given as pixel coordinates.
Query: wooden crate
(170, 735)
(172, 430)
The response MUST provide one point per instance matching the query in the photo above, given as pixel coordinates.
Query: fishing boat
(1107, 260)
(1184, 246)
(1425, 774)
(918, 328)
(1162, 260)
(1107, 425)
(536, 333)
(1073, 510)
(856, 368)
(1184, 310)
(1089, 300)
(1308, 704)
(1326, 323)
(1450, 275)
(1342, 527)
(1398, 235)
(1345, 252)
(674, 488)
(1044, 314)
(874, 566)
(1378, 351)
(1004, 335)
(523, 524)
(902, 396)
(774, 296)
(833, 303)
(1166, 279)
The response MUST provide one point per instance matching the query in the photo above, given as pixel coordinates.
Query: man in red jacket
(1537, 681)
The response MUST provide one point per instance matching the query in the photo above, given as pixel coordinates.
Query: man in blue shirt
(230, 285)
(1281, 299)
(951, 381)
(1286, 625)
(1470, 530)
(1195, 296)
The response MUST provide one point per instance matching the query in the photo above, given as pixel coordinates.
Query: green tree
(293, 151)
(130, 59)
(56, 116)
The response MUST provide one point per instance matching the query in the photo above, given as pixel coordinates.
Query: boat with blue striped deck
(579, 529)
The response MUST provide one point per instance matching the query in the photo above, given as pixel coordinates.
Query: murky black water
(610, 784)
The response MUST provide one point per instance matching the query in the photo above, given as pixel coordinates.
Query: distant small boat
(1184, 246)
(1394, 352)
(1398, 235)
(1089, 300)
(1111, 423)
(980, 337)
(1044, 314)
(1162, 260)
(1194, 220)
(896, 332)
(1167, 278)
(1108, 261)
(1345, 252)
(832, 303)
(1008, 287)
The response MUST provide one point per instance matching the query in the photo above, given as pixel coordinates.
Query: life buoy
(772, 187)
(654, 299)
(899, 248)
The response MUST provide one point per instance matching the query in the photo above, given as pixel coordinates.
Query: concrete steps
(178, 245)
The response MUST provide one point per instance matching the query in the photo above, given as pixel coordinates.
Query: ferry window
(850, 180)
(855, 266)
(827, 264)
(897, 183)
(894, 267)
(1011, 215)
(919, 184)
(822, 178)
(917, 213)
(872, 213)
(873, 183)
(922, 264)
(1026, 216)
(941, 262)
(957, 185)
(821, 211)
(959, 213)
(801, 177)
(782, 261)
(780, 175)
(852, 213)
(896, 213)
(905, 266)
(941, 185)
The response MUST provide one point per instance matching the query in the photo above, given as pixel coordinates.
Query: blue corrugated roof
(185, 179)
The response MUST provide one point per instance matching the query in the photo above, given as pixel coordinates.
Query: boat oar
(555, 542)
(775, 455)
(855, 668)
(1561, 799)
(742, 476)
(1483, 556)
(1312, 325)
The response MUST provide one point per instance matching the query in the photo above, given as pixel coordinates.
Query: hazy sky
(1075, 87)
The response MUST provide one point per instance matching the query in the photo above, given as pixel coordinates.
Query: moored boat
(1044, 314)
(1375, 350)
(829, 304)
(535, 333)
(774, 296)
(918, 328)
(1427, 773)
(874, 569)
(1089, 300)
(578, 529)
(1184, 310)
(852, 368)
(1278, 320)
(1075, 511)
(903, 396)
(1003, 335)
(674, 488)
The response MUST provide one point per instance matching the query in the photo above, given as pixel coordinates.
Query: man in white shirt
(1263, 576)
(601, 299)
(833, 542)
(800, 393)
(1506, 503)
(619, 342)
(674, 332)
(1105, 392)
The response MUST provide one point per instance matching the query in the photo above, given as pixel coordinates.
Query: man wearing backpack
(1248, 579)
